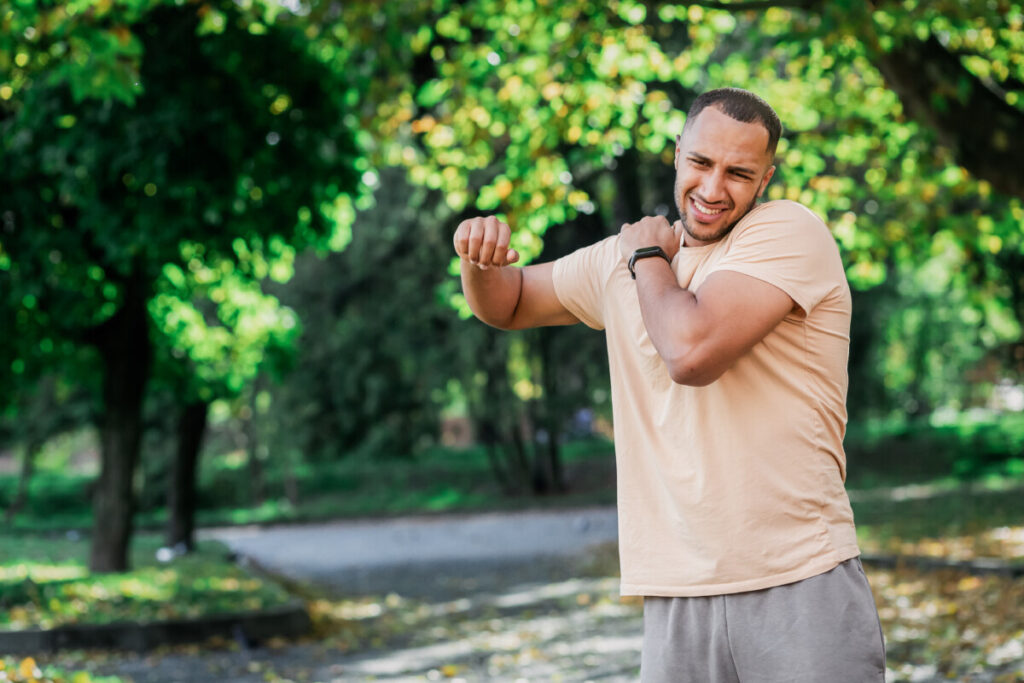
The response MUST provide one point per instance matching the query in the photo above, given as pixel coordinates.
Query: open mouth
(705, 212)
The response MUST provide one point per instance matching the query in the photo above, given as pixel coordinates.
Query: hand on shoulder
(650, 231)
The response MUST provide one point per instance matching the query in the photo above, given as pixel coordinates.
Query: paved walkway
(516, 596)
(435, 557)
(511, 596)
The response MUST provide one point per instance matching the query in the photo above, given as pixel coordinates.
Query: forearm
(492, 294)
(672, 318)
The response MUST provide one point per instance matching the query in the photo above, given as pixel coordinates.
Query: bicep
(538, 304)
(736, 312)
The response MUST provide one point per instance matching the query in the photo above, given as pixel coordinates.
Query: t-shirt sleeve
(786, 245)
(580, 279)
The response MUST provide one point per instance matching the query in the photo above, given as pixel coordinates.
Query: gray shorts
(821, 629)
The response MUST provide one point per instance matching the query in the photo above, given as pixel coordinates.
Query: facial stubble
(722, 233)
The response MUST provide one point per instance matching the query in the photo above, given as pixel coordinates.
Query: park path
(431, 557)
(511, 596)
(504, 596)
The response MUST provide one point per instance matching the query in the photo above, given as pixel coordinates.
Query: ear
(764, 181)
(679, 142)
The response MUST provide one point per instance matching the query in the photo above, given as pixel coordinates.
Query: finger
(511, 256)
(461, 239)
(476, 236)
(490, 238)
(501, 249)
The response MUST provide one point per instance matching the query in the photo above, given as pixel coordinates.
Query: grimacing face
(722, 167)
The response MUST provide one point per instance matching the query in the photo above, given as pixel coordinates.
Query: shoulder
(601, 256)
(782, 212)
(784, 220)
(580, 279)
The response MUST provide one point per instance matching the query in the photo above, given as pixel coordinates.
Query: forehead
(717, 136)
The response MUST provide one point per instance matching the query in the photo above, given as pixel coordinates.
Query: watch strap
(646, 252)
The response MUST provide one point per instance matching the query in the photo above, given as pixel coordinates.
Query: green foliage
(965, 447)
(221, 325)
(436, 480)
(484, 106)
(558, 116)
(227, 167)
(480, 106)
(44, 583)
(230, 150)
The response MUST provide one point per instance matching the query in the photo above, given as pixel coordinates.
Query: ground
(465, 598)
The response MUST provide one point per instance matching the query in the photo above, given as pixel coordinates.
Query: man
(728, 338)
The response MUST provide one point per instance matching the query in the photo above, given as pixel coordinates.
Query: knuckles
(476, 237)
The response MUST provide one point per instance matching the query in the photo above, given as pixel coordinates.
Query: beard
(714, 237)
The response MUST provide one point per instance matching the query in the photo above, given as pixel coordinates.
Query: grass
(442, 480)
(44, 582)
(981, 520)
(28, 671)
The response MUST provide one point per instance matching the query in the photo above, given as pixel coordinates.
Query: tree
(218, 332)
(513, 109)
(234, 140)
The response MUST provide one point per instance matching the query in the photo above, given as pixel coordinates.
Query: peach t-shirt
(738, 485)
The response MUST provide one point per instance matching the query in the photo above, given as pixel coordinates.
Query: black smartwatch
(646, 252)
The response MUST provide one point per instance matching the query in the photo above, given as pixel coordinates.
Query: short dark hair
(742, 105)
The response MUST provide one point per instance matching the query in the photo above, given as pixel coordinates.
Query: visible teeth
(705, 209)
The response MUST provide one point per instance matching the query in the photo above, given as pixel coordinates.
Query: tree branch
(972, 120)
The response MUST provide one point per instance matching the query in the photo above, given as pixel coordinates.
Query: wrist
(642, 254)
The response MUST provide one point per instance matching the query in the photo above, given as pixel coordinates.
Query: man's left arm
(699, 335)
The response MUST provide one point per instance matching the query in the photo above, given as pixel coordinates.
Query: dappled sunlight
(28, 670)
(936, 623)
(534, 630)
(42, 593)
(574, 587)
(1001, 543)
(950, 624)
(39, 572)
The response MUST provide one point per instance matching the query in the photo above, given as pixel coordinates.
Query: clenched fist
(484, 242)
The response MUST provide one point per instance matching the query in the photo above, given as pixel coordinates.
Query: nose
(712, 187)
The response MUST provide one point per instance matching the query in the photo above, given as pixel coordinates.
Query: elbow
(690, 376)
(689, 369)
(489, 315)
(505, 324)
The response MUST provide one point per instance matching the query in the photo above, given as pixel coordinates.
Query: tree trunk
(976, 123)
(24, 479)
(181, 498)
(124, 345)
(551, 418)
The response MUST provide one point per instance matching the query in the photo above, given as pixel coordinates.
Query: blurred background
(227, 286)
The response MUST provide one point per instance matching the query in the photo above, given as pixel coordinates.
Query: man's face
(722, 167)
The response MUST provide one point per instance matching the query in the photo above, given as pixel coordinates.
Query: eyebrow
(739, 169)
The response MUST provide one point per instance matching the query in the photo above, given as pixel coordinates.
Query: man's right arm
(509, 298)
